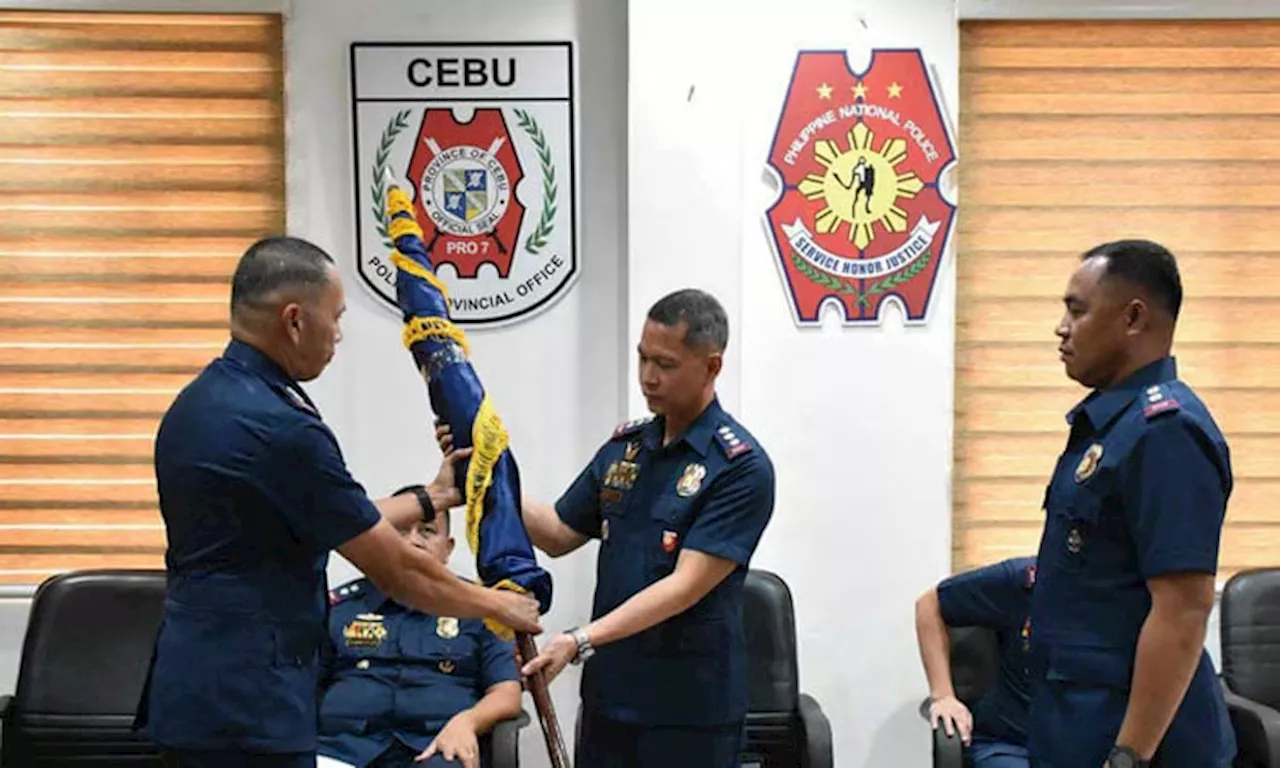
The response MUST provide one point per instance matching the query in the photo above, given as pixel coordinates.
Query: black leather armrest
(817, 733)
(1257, 728)
(948, 751)
(5, 702)
(504, 741)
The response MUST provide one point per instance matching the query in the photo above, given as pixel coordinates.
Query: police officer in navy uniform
(255, 493)
(401, 683)
(1134, 514)
(679, 503)
(996, 597)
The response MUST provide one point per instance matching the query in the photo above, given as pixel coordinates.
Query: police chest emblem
(1075, 542)
(447, 627)
(366, 631)
(691, 480)
(633, 450)
(1089, 463)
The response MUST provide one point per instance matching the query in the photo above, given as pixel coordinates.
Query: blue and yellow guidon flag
(491, 481)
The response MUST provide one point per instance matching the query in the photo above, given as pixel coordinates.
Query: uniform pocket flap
(1101, 666)
(331, 725)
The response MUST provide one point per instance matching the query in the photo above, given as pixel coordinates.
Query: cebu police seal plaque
(483, 136)
(858, 157)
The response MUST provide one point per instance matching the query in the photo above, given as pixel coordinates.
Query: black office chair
(784, 726)
(1249, 629)
(975, 664)
(84, 661)
(505, 741)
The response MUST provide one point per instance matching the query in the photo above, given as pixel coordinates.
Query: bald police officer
(1125, 578)
(255, 494)
(679, 503)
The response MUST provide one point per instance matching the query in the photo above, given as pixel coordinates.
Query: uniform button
(362, 664)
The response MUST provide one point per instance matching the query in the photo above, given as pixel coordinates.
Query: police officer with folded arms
(679, 503)
(255, 494)
(1126, 566)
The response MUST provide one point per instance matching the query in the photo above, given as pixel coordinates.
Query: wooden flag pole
(542, 702)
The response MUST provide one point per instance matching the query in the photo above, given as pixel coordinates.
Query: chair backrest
(975, 662)
(768, 618)
(1249, 627)
(88, 644)
(84, 663)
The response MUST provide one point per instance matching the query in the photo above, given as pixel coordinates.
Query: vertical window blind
(1075, 133)
(139, 155)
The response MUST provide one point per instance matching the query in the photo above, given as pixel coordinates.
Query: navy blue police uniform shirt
(395, 673)
(710, 490)
(1140, 491)
(998, 597)
(254, 493)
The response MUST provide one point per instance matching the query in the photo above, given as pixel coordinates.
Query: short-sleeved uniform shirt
(998, 597)
(395, 673)
(1140, 491)
(710, 490)
(254, 493)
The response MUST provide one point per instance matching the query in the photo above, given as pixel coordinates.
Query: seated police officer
(401, 683)
(997, 597)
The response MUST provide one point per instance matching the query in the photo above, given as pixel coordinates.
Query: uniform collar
(256, 361)
(697, 436)
(1103, 405)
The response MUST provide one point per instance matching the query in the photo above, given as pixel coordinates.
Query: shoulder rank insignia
(729, 441)
(1158, 402)
(631, 427)
(344, 592)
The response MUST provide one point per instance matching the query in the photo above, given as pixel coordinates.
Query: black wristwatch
(1124, 757)
(424, 499)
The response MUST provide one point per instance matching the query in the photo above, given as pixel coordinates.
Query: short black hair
(448, 518)
(1147, 265)
(708, 323)
(274, 263)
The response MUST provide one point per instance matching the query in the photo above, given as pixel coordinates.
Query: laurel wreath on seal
(827, 280)
(378, 189)
(546, 222)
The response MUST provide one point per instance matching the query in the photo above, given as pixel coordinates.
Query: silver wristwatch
(585, 649)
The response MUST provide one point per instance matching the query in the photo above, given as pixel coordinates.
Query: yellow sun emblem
(861, 186)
